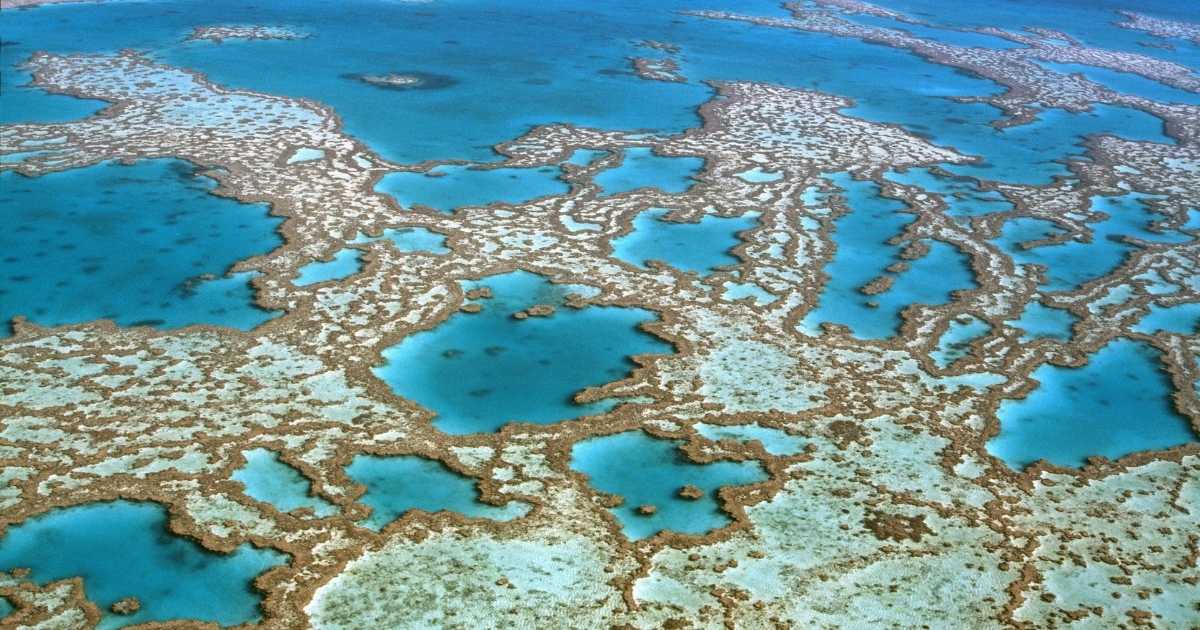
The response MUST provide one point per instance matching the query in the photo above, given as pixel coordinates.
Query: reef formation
(893, 512)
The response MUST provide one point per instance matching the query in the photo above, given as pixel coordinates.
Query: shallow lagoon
(1117, 404)
(651, 472)
(1073, 263)
(479, 371)
(863, 254)
(142, 245)
(398, 484)
(123, 549)
(641, 168)
(445, 188)
(270, 480)
(700, 247)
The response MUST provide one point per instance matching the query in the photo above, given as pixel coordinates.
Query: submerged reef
(410, 80)
(793, 366)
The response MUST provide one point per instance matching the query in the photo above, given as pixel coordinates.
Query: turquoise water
(648, 471)
(1127, 82)
(774, 441)
(408, 240)
(396, 485)
(450, 187)
(641, 168)
(1090, 21)
(480, 371)
(955, 343)
(961, 194)
(699, 247)
(1073, 263)
(6, 608)
(1181, 319)
(1044, 322)
(757, 175)
(1117, 404)
(271, 481)
(1031, 153)
(128, 243)
(123, 549)
(344, 264)
(584, 157)
(966, 39)
(863, 254)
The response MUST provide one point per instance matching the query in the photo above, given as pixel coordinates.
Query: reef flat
(855, 390)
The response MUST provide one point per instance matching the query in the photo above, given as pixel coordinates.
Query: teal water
(961, 194)
(742, 290)
(1032, 153)
(408, 240)
(700, 247)
(1117, 404)
(966, 39)
(1073, 263)
(272, 481)
(1044, 322)
(396, 485)
(1127, 82)
(757, 175)
(774, 441)
(648, 471)
(1181, 319)
(584, 157)
(863, 254)
(955, 343)
(6, 608)
(641, 168)
(480, 371)
(124, 549)
(448, 187)
(142, 245)
(345, 263)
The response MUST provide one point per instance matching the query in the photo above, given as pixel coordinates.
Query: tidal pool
(1117, 404)
(445, 188)
(646, 471)
(414, 239)
(123, 549)
(398, 484)
(700, 247)
(480, 371)
(955, 343)
(774, 441)
(142, 245)
(1044, 322)
(345, 263)
(641, 168)
(270, 480)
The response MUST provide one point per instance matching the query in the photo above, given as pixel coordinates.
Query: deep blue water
(128, 243)
(396, 485)
(1117, 404)
(124, 549)
(479, 371)
(649, 471)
